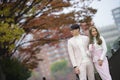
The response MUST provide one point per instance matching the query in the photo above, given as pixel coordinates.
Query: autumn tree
(35, 16)
(17, 15)
(46, 20)
(50, 27)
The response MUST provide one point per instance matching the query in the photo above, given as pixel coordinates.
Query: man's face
(84, 26)
(75, 32)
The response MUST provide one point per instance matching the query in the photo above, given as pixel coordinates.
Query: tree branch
(32, 41)
(32, 17)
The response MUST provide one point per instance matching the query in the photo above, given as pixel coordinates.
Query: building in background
(110, 33)
(116, 15)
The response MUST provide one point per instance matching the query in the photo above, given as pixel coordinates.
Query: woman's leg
(103, 70)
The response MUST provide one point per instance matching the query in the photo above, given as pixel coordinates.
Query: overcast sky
(104, 15)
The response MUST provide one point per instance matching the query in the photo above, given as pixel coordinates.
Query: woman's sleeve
(104, 48)
(91, 47)
(71, 54)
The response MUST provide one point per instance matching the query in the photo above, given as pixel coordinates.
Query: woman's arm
(104, 48)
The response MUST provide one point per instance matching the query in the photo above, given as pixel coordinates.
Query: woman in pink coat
(98, 50)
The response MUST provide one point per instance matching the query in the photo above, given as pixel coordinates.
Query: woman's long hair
(99, 41)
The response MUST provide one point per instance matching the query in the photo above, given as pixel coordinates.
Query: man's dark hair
(75, 26)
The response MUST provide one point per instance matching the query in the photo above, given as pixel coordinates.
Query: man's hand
(100, 62)
(77, 70)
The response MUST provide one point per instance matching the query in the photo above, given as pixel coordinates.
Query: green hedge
(14, 70)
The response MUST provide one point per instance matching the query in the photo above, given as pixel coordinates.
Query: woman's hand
(100, 62)
(77, 70)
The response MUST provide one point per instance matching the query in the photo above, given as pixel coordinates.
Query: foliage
(60, 65)
(35, 16)
(29, 60)
(32, 14)
(28, 15)
(27, 10)
(51, 25)
(60, 68)
(14, 70)
(8, 35)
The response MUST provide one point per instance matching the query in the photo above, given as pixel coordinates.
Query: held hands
(77, 70)
(100, 62)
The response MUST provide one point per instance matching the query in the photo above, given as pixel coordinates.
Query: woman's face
(94, 32)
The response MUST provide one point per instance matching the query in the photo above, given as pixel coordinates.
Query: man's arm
(71, 54)
(88, 47)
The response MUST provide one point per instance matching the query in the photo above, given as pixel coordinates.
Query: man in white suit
(79, 54)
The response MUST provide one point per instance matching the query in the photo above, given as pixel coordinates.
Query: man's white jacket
(78, 49)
